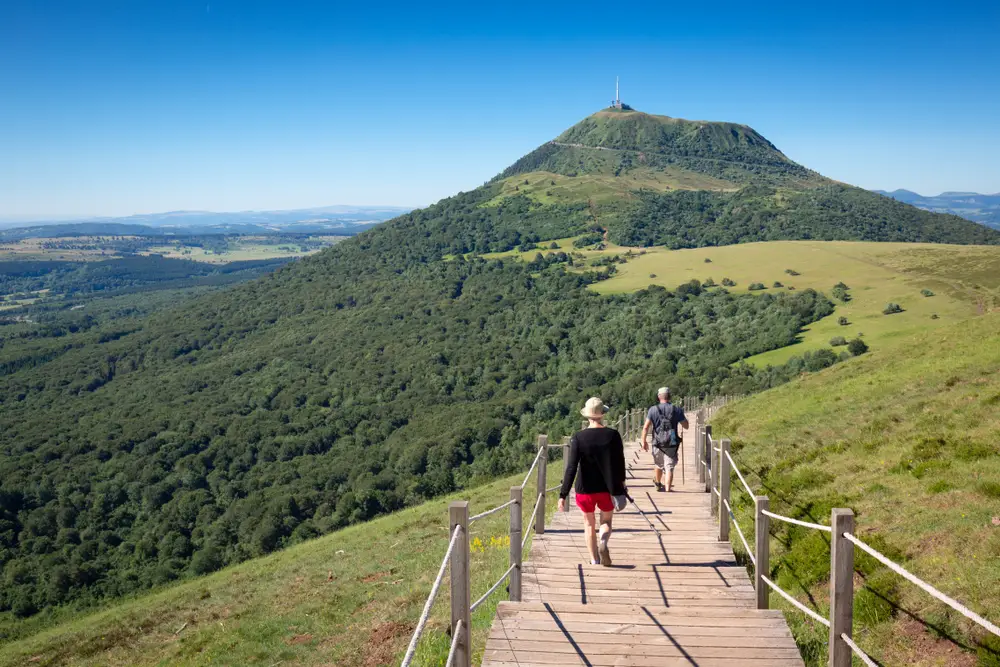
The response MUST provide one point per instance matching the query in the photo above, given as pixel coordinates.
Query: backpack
(665, 435)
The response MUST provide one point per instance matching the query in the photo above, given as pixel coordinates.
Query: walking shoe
(660, 487)
(602, 548)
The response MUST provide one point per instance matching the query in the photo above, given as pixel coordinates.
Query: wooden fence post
(699, 440)
(841, 587)
(458, 515)
(724, 490)
(714, 456)
(543, 464)
(514, 583)
(762, 547)
(707, 454)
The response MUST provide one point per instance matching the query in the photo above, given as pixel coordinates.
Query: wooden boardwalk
(673, 596)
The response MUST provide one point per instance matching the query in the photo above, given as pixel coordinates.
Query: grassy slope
(962, 278)
(909, 437)
(349, 598)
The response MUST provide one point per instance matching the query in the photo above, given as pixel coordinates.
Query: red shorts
(587, 501)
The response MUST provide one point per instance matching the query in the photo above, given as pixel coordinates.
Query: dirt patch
(300, 639)
(381, 646)
(375, 576)
(925, 649)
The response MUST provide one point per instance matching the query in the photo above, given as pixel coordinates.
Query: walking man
(663, 418)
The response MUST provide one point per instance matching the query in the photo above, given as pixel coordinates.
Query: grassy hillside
(350, 598)
(965, 281)
(907, 436)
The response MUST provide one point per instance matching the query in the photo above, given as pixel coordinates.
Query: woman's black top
(599, 455)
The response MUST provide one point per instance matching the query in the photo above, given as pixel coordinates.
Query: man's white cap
(663, 391)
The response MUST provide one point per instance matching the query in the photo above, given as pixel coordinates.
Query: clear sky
(113, 108)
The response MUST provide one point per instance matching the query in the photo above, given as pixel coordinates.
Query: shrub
(726, 282)
(777, 284)
(708, 261)
(792, 272)
(857, 347)
(842, 321)
(708, 283)
(841, 285)
(756, 286)
(892, 308)
(528, 245)
(840, 293)
(587, 240)
(652, 275)
(934, 316)
(553, 246)
(837, 341)
(927, 292)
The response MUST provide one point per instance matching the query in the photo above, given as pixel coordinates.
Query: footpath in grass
(350, 598)
(963, 281)
(908, 436)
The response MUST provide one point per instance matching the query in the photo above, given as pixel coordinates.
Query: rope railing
(553, 488)
(425, 614)
(740, 533)
(788, 519)
(533, 464)
(923, 585)
(795, 603)
(534, 512)
(503, 578)
(483, 515)
(454, 644)
(857, 651)
(740, 475)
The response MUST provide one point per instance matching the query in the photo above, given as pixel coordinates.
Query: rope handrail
(735, 469)
(857, 651)
(801, 607)
(454, 643)
(533, 464)
(412, 648)
(739, 532)
(483, 515)
(553, 488)
(927, 588)
(527, 533)
(787, 519)
(488, 593)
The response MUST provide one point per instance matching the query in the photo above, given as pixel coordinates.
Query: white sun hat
(663, 391)
(594, 408)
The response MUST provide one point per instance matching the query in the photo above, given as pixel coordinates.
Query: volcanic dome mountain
(399, 364)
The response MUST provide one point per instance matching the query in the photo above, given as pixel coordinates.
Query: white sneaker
(602, 548)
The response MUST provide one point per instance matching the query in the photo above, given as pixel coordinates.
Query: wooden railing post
(707, 454)
(699, 441)
(514, 583)
(724, 490)
(762, 549)
(841, 587)
(543, 464)
(714, 456)
(458, 515)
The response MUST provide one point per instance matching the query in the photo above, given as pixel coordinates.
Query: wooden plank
(594, 649)
(692, 636)
(527, 658)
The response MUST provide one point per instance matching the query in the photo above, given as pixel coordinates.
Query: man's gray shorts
(665, 458)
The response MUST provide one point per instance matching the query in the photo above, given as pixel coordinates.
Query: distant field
(95, 248)
(965, 281)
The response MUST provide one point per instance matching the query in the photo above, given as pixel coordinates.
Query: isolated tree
(857, 347)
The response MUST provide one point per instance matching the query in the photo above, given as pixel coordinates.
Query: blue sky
(113, 108)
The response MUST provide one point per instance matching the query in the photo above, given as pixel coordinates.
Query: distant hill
(984, 209)
(342, 220)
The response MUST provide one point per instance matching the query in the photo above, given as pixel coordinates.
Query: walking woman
(598, 454)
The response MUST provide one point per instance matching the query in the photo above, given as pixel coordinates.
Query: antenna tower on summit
(617, 102)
